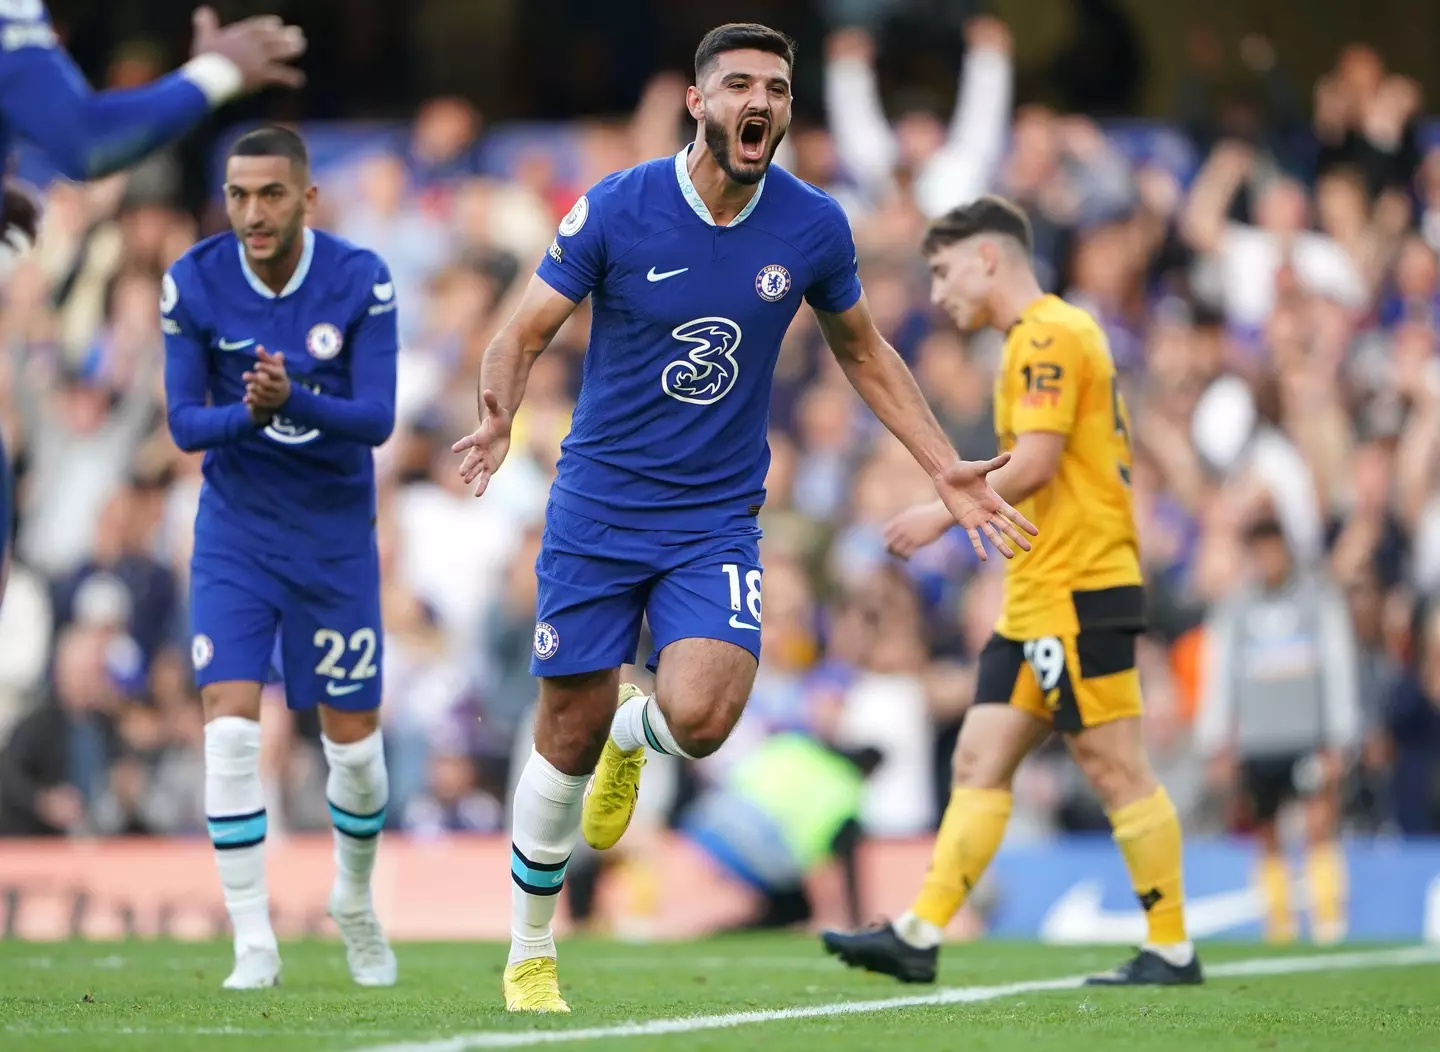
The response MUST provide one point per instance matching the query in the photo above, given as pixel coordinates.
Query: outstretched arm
(880, 377)
(504, 371)
(87, 134)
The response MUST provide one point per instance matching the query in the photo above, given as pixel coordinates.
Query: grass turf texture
(164, 997)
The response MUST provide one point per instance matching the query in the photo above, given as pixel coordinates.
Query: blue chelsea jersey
(304, 484)
(670, 428)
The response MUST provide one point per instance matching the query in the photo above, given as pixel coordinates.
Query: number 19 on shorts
(750, 603)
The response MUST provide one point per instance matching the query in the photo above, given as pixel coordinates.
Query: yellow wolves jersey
(1084, 572)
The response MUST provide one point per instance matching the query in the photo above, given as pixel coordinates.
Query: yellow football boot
(610, 802)
(534, 986)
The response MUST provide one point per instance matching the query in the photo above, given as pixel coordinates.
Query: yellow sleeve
(1047, 370)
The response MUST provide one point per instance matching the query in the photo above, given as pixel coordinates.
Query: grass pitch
(753, 993)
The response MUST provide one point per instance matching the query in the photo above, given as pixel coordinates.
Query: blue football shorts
(597, 581)
(326, 613)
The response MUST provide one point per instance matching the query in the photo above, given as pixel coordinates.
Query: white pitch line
(954, 995)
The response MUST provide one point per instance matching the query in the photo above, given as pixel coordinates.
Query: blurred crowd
(1273, 314)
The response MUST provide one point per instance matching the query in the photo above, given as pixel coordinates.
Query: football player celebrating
(695, 265)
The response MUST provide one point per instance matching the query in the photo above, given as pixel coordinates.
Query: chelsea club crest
(324, 341)
(772, 283)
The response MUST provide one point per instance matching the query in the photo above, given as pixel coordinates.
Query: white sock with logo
(545, 827)
(357, 791)
(235, 814)
(640, 722)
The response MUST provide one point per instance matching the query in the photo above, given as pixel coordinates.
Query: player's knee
(973, 769)
(231, 698)
(703, 734)
(345, 728)
(1119, 775)
(573, 719)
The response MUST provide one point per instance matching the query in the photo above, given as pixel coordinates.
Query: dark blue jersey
(304, 485)
(670, 428)
(84, 134)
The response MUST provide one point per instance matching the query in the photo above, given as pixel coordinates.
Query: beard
(721, 142)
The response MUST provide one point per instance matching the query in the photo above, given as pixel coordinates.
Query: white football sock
(235, 814)
(918, 932)
(1177, 953)
(357, 791)
(640, 722)
(546, 827)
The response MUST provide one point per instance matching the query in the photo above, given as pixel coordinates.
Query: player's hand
(20, 215)
(485, 449)
(916, 527)
(267, 386)
(261, 47)
(974, 505)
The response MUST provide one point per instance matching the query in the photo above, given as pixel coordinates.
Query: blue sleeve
(575, 261)
(837, 288)
(85, 134)
(193, 423)
(368, 415)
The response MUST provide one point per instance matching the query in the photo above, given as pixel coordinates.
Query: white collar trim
(307, 254)
(692, 195)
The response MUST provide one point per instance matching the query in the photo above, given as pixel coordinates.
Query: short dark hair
(273, 141)
(741, 36)
(985, 215)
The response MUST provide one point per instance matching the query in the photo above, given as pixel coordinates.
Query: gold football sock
(1325, 873)
(1148, 835)
(970, 832)
(1273, 876)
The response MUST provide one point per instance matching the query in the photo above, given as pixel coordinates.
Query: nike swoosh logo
(339, 692)
(735, 622)
(235, 345)
(652, 276)
(1078, 916)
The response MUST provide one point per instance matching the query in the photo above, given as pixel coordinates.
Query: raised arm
(88, 134)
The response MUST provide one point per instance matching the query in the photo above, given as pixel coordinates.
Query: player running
(292, 335)
(1063, 655)
(86, 135)
(695, 266)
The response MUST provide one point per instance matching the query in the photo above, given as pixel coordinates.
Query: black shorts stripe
(1120, 607)
(1104, 652)
(1000, 662)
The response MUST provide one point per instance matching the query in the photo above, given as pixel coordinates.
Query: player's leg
(1098, 706)
(332, 650)
(234, 633)
(589, 604)
(1006, 721)
(1263, 784)
(704, 614)
(1317, 778)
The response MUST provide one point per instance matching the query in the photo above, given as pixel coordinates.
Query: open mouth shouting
(754, 134)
